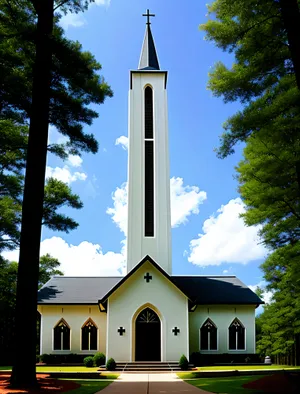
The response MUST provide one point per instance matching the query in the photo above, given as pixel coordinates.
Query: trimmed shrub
(99, 359)
(45, 358)
(183, 363)
(88, 361)
(111, 364)
(196, 359)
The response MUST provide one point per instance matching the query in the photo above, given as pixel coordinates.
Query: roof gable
(134, 269)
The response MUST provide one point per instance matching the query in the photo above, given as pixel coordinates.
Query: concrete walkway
(150, 384)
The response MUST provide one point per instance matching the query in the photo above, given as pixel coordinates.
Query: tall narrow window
(208, 336)
(149, 164)
(236, 333)
(61, 336)
(89, 336)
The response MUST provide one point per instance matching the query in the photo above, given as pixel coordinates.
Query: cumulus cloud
(119, 211)
(185, 200)
(85, 259)
(123, 141)
(266, 295)
(75, 161)
(77, 20)
(65, 174)
(226, 239)
(72, 20)
(103, 2)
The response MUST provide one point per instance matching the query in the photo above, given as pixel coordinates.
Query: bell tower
(149, 212)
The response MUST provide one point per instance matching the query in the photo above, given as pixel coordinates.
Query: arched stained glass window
(208, 336)
(236, 332)
(61, 336)
(89, 332)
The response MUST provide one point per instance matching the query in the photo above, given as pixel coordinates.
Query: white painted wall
(222, 316)
(138, 246)
(133, 296)
(75, 316)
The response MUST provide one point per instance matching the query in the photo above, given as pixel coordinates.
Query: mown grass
(44, 369)
(242, 367)
(232, 385)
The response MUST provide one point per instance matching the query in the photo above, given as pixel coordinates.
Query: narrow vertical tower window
(149, 164)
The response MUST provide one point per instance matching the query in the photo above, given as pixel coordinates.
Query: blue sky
(205, 199)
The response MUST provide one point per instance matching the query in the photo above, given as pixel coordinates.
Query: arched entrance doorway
(147, 336)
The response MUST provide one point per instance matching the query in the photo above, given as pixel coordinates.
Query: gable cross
(148, 15)
(176, 330)
(148, 277)
(121, 330)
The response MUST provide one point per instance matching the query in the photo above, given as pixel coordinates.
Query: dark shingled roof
(216, 290)
(75, 290)
(148, 59)
(201, 289)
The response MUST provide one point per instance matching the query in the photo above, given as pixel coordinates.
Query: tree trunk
(24, 373)
(291, 20)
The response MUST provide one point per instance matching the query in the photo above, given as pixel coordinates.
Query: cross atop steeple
(148, 59)
(148, 15)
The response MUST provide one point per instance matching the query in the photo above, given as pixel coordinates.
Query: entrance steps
(147, 366)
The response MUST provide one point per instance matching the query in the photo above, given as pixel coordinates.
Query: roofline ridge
(73, 277)
(207, 276)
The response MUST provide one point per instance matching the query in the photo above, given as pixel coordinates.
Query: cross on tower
(121, 330)
(148, 15)
(148, 277)
(176, 330)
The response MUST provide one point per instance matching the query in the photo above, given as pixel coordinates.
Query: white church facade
(149, 314)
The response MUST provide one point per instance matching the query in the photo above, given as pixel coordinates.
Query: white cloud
(266, 295)
(72, 20)
(119, 210)
(75, 160)
(225, 271)
(123, 141)
(77, 20)
(226, 239)
(85, 259)
(185, 200)
(64, 174)
(103, 2)
(54, 137)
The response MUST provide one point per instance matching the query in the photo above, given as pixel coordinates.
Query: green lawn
(241, 367)
(89, 386)
(69, 369)
(232, 385)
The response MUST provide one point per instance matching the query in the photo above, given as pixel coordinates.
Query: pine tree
(57, 82)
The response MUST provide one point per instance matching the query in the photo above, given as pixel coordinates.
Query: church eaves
(148, 59)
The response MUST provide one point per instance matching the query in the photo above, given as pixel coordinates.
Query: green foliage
(111, 364)
(184, 363)
(261, 76)
(13, 142)
(88, 361)
(264, 37)
(232, 385)
(99, 359)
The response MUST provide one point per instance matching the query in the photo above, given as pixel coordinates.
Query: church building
(149, 314)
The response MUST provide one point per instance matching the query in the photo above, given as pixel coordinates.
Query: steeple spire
(148, 59)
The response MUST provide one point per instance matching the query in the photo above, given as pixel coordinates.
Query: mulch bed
(46, 385)
(283, 383)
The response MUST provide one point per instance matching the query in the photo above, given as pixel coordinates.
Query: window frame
(236, 342)
(61, 344)
(214, 324)
(98, 333)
